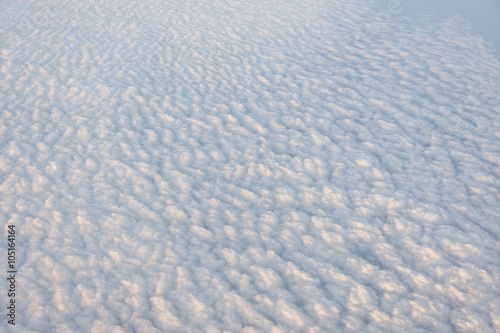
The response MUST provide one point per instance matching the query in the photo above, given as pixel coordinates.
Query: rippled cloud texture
(200, 166)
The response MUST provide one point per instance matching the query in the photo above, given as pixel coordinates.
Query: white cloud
(196, 166)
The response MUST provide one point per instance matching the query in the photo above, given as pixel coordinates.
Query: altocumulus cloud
(196, 166)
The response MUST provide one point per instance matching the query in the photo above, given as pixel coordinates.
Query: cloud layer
(192, 166)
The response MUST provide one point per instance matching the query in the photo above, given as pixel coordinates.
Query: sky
(264, 166)
(484, 15)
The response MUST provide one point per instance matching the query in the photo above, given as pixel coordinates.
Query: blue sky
(483, 14)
